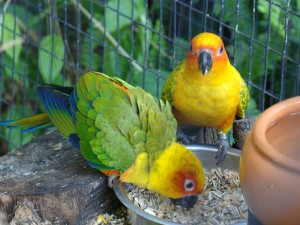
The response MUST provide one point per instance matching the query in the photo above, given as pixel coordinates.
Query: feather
(57, 106)
(29, 123)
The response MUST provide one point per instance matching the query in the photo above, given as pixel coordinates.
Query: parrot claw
(112, 179)
(223, 146)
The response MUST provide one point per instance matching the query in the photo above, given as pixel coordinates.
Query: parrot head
(176, 173)
(206, 53)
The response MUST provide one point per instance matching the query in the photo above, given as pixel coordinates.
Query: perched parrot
(206, 90)
(123, 130)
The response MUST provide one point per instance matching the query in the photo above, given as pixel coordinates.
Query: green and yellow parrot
(123, 130)
(206, 90)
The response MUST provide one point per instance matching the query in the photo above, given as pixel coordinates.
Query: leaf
(276, 15)
(145, 28)
(180, 48)
(11, 32)
(116, 64)
(122, 13)
(15, 136)
(51, 57)
(19, 68)
(21, 12)
(151, 82)
(252, 109)
(90, 56)
(159, 49)
(61, 80)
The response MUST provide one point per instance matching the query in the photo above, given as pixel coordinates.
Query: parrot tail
(29, 124)
(59, 113)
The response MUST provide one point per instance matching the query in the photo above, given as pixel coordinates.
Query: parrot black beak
(186, 202)
(204, 61)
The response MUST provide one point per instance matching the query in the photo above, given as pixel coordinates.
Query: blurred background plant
(140, 41)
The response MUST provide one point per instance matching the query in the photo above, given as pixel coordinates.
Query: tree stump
(52, 182)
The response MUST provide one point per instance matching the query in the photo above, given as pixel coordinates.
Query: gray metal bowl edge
(206, 153)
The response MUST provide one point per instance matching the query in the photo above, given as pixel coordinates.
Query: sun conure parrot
(206, 90)
(123, 130)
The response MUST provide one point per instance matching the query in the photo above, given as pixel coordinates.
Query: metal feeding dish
(206, 153)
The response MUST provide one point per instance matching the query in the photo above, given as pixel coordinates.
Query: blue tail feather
(74, 139)
(98, 166)
(56, 101)
(29, 123)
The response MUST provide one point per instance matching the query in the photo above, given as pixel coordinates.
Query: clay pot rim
(265, 120)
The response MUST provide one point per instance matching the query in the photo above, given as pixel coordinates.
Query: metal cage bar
(140, 41)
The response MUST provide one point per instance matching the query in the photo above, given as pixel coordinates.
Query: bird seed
(220, 203)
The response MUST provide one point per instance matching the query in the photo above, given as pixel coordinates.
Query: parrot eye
(189, 185)
(191, 49)
(220, 51)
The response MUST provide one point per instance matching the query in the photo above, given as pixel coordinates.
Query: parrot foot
(223, 146)
(112, 179)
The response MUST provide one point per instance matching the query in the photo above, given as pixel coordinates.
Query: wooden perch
(241, 129)
(50, 179)
(206, 135)
(199, 134)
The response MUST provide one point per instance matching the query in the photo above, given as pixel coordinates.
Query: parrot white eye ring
(189, 185)
(219, 52)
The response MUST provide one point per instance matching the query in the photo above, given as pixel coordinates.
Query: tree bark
(49, 178)
(206, 135)
(241, 129)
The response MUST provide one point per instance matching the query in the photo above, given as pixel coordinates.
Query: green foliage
(119, 14)
(118, 38)
(120, 32)
(269, 29)
(252, 109)
(19, 138)
(51, 55)
(11, 33)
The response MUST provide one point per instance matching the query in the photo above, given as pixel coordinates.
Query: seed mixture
(220, 203)
(118, 218)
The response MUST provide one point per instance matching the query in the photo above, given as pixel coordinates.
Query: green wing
(106, 123)
(169, 87)
(116, 121)
(157, 121)
(244, 99)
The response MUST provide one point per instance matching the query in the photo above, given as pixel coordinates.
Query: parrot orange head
(178, 174)
(206, 53)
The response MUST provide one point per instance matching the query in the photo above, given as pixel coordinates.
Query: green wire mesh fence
(140, 41)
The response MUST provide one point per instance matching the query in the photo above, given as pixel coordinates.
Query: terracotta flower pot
(270, 165)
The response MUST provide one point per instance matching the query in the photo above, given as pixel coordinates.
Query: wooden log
(206, 135)
(49, 177)
(241, 129)
(200, 134)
